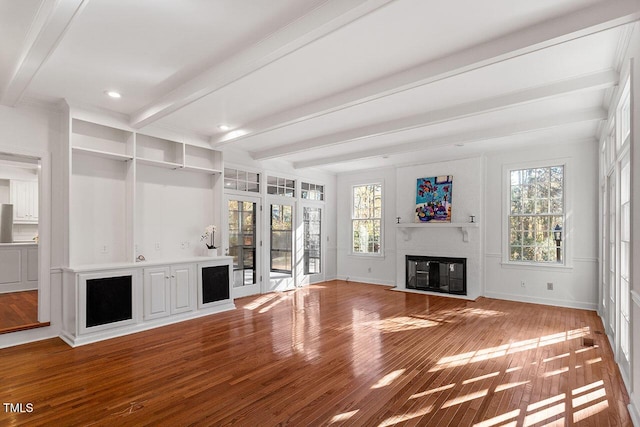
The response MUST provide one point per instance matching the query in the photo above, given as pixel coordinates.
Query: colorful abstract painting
(433, 199)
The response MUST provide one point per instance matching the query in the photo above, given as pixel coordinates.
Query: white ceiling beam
(53, 19)
(595, 81)
(326, 18)
(463, 138)
(554, 31)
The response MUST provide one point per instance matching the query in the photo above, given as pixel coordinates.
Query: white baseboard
(368, 280)
(435, 294)
(633, 410)
(544, 301)
(75, 341)
(28, 336)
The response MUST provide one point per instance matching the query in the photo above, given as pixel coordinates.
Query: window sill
(536, 266)
(363, 255)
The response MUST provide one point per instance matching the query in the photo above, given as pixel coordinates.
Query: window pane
(312, 240)
(534, 194)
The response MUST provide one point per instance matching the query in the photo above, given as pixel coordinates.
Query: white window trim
(568, 211)
(351, 219)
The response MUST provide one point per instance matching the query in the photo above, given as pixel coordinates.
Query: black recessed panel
(215, 283)
(437, 274)
(109, 300)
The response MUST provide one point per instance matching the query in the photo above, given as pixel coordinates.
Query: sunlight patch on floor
(556, 372)
(405, 417)
(480, 378)
(544, 414)
(507, 386)
(260, 301)
(499, 419)
(589, 411)
(434, 390)
(505, 349)
(388, 379)
(466, 398)
(343, 416)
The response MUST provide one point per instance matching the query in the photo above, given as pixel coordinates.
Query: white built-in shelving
(136, 193)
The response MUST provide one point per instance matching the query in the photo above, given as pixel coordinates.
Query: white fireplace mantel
(408, 228)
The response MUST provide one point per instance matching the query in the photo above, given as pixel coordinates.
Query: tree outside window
(537, 215)
(366, 219)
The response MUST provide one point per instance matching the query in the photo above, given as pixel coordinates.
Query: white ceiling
(335, 84)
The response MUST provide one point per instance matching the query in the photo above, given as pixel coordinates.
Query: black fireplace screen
(438, 274)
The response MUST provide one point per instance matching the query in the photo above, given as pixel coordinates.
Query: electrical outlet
(549, 286)
(522, 283)
(182, 245)
(104, 249)
(369, 269)
(157, 246)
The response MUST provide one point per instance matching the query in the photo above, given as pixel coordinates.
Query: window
(312, 191)
(312, 219)
(366, 219)
(281, 186)
(236, 179)
(536, 215)
(624, 115)
(281, 238)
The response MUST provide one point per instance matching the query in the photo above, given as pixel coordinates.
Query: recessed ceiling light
(459, 144)
(113, 94)
(224, 128)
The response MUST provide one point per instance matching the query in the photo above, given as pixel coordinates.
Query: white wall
(431, 240)
(370, 269)
(576, 285)
(173, 209)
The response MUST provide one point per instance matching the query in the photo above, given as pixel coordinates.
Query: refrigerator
(6, 223)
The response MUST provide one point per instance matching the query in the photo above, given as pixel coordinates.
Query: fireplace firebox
(437, 274)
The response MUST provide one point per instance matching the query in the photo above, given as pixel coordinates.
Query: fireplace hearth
(436, 274)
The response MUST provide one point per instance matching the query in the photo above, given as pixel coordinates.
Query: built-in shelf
(159, 163)
(103, 141)
(103, 154)
(203, 170)
(408, 228)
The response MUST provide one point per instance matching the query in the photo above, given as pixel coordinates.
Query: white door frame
(258, 287)
(281, 283)
(305, 279)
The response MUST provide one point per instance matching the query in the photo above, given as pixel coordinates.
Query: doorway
(20, 296)
(281, 245)
(243, 242)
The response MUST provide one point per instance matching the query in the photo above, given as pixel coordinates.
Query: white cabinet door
(183, 288)
(33, 200)
(156, 292)
(24, 197)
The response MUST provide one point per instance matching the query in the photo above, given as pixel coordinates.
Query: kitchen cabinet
(24, 197)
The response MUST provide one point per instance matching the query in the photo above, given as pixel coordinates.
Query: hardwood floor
(331, 354)
(19, 311)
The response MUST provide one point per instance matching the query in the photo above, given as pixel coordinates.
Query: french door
(311, 243)
(242, 243)
(281, 225)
